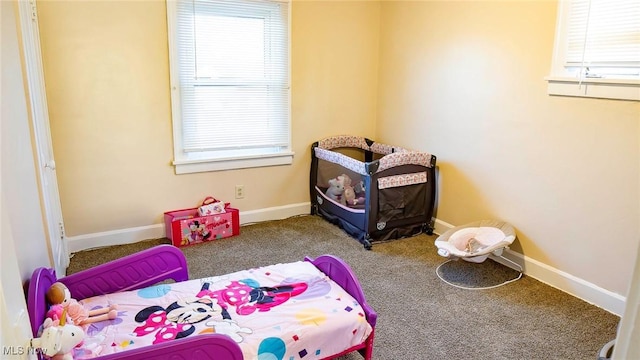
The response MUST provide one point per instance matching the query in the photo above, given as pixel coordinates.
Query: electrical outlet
(239, 191)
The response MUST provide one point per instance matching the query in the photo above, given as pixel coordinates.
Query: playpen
(373, 191)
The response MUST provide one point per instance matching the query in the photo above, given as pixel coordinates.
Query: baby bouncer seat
(474, 242)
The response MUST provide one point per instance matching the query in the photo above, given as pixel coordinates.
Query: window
(597, 49)
(229, 83)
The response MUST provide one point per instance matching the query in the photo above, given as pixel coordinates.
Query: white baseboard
(561, 280)
(440, 227)
(580, 288)
(156, 231)
(274, 213)
(114, 237)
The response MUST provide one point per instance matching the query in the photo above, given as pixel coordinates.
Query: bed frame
(165, 262)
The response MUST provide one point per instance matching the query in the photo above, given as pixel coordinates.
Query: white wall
(16, 330)
(19, 184)
(23, 243)
(627, 345)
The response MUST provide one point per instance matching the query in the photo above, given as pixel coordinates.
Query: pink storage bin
(186, 227)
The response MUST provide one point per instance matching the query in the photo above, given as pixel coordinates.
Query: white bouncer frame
(447, 249)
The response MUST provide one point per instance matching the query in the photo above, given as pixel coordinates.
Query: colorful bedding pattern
(278, 312)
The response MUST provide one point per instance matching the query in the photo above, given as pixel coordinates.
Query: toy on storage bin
(211, 206)
(212, 220)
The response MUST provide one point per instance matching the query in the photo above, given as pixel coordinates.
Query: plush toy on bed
(60, 298)
(57, 339)
(336, 189)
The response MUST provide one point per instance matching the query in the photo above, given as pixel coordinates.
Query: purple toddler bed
(314, 309)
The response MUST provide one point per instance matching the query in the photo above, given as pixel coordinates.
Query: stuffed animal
(59, 294)
(57, 341)
(359, 189)
(474, 246)
(336, 189)
(350, 196)
(56, 314)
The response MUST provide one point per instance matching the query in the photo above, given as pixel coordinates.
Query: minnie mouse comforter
(282, 311)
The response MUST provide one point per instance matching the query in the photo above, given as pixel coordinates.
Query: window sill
(601, 88)
(195, 166)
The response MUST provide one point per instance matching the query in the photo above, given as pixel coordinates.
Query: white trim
(174, 79)
(600, 81)
(193, 166)
(156, 231)
(594, 88)
(568, 283)
(558, 279)
(274, 213)
(602, 88)
(115, 237)
(441, 226)
(627, 346)
(48, 183)
(205, 161)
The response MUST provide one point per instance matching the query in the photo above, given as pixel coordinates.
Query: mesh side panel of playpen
(402, 202)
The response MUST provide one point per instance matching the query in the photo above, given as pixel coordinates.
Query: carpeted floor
(419, 315)
(471, 276)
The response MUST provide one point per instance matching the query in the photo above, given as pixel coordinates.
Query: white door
(43, 145)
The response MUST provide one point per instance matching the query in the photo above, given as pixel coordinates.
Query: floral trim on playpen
(404, 158)
(402, 180)
(343, 141)
(385, 149)
(386, 162)
(349, 141)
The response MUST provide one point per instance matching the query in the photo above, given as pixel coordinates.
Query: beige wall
(107, 75)
(464, 80)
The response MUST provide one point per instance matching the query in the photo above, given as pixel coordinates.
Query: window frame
(561, 82)
(193, 162)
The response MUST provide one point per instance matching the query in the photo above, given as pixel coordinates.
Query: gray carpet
(473, 276)
(419, 315)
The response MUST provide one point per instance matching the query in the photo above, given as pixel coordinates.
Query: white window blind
(604, 35)
(597, 49)
(232, 63)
